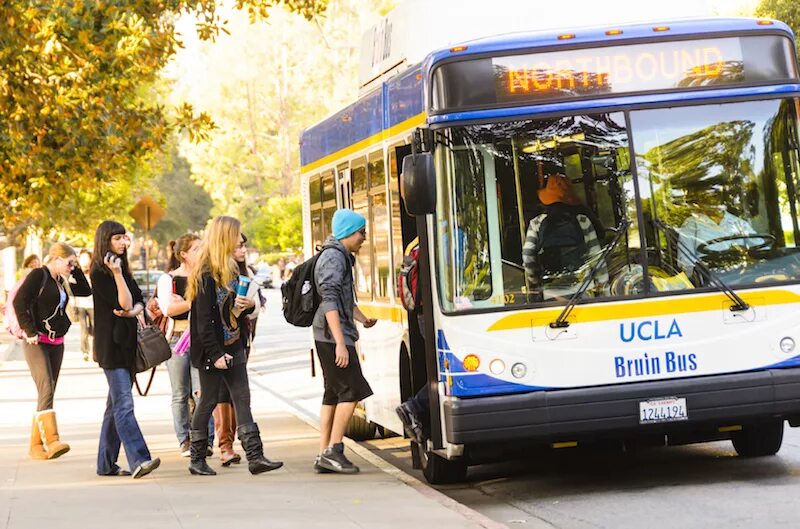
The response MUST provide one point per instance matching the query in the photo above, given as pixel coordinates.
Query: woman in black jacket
(40, 306)
(218, 344)
(117, 303)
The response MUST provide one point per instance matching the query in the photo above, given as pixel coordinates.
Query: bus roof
(597, 34)
(398, 102)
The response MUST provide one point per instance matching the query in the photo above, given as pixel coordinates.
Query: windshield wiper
(738, 303)
(561, 321)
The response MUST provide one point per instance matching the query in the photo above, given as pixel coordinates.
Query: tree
(187, 205)
(79, 115)
(279, 225)
(787, 11)
(293, 74)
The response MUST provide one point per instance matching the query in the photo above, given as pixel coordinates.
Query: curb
(407, 479)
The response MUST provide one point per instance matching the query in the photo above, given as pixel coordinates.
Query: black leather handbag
(152, 348)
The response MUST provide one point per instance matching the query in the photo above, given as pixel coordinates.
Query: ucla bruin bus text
(647, 364)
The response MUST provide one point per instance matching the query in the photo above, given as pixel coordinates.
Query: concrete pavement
(66, 492)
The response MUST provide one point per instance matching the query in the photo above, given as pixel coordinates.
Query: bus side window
(379, 233)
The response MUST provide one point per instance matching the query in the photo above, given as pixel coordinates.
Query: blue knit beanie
(346, 222)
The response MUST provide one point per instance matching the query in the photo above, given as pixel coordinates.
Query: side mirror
(418, 183)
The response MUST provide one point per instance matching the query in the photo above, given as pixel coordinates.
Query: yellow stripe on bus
(393, 313)
(642, 309)
(410, 123)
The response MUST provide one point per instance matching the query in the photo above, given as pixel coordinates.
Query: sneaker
(411, 424)
(186, 448)
(318, 468)
(334, 460)
(145, 468)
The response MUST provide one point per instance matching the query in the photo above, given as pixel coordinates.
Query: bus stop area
(66, 492)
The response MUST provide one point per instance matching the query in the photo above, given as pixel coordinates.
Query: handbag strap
(149, 383)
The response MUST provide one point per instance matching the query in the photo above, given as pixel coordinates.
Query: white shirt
(699, 228)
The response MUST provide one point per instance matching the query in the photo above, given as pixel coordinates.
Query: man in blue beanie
(335, 336)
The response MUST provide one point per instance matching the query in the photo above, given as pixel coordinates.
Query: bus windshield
(526, 208)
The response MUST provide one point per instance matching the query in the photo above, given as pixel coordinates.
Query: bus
(677, 140)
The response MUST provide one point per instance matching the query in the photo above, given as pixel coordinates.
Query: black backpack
(561, 248)
(299, 294)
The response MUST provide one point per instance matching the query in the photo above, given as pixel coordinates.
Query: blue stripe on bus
(610, 103)
(468, 383)
(396, 101)
(512, 43)
(404, 97)
(356, 122)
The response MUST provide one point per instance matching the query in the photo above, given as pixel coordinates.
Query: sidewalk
(66, 493)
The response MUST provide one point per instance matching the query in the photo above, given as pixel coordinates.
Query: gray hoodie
(333, 275)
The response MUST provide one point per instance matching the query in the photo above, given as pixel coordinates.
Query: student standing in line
(117, 302)
(335, 336)
(224, 418)
(84, 307)
(171, 293)
(30, 263)
(40, 305)
(218, 344)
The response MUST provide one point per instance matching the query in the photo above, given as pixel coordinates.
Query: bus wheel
(360, 429)
(436, 469)
(761, 439)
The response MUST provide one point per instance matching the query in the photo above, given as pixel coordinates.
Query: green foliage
(294, 73)
(279, 225)
(787, 11)
(187, 205)
(79, 112)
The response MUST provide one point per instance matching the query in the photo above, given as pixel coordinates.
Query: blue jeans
(185, 382)
(119, 424)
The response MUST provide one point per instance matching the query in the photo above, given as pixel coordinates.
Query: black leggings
(44, 361)
(235, 379)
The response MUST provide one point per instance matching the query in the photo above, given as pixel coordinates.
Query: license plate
(667, 409)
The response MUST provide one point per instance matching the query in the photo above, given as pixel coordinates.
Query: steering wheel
(768, 240)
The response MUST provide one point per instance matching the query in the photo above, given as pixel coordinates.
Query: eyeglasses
(363, 232)
(72, 264)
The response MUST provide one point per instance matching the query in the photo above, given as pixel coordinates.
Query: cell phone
(110, 255)
(229, 362)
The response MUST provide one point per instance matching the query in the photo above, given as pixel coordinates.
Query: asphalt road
(696, 486)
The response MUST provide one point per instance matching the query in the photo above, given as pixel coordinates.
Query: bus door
(344, 188)
(424, 369)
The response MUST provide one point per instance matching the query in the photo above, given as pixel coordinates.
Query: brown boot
(37, 450)
(225, 426)
(46, 420)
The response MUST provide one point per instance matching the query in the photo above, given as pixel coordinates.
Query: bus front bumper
(573, 413)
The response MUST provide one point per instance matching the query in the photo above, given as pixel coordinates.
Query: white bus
(678, 142)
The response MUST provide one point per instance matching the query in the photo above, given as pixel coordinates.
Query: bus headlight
(497, 366)
(787, 345)
(519, 370)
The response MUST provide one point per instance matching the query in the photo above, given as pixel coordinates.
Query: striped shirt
(533, 273)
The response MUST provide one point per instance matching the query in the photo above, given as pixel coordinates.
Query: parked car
(264, 276)
(147, 281)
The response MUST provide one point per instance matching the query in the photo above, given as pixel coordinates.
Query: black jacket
(114, 337)
(32, 311)
(207, 340)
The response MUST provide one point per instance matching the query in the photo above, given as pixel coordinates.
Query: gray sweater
(333, 275)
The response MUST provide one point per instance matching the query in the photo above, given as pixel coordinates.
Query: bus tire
(760, 439)
(436, 469)
(360, 429)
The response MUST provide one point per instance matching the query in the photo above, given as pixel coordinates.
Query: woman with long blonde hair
(218, 344)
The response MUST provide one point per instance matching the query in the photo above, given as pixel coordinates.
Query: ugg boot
(253, 449)
(225, 424)
(198, 465)
(37, 450)
(46, 420)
